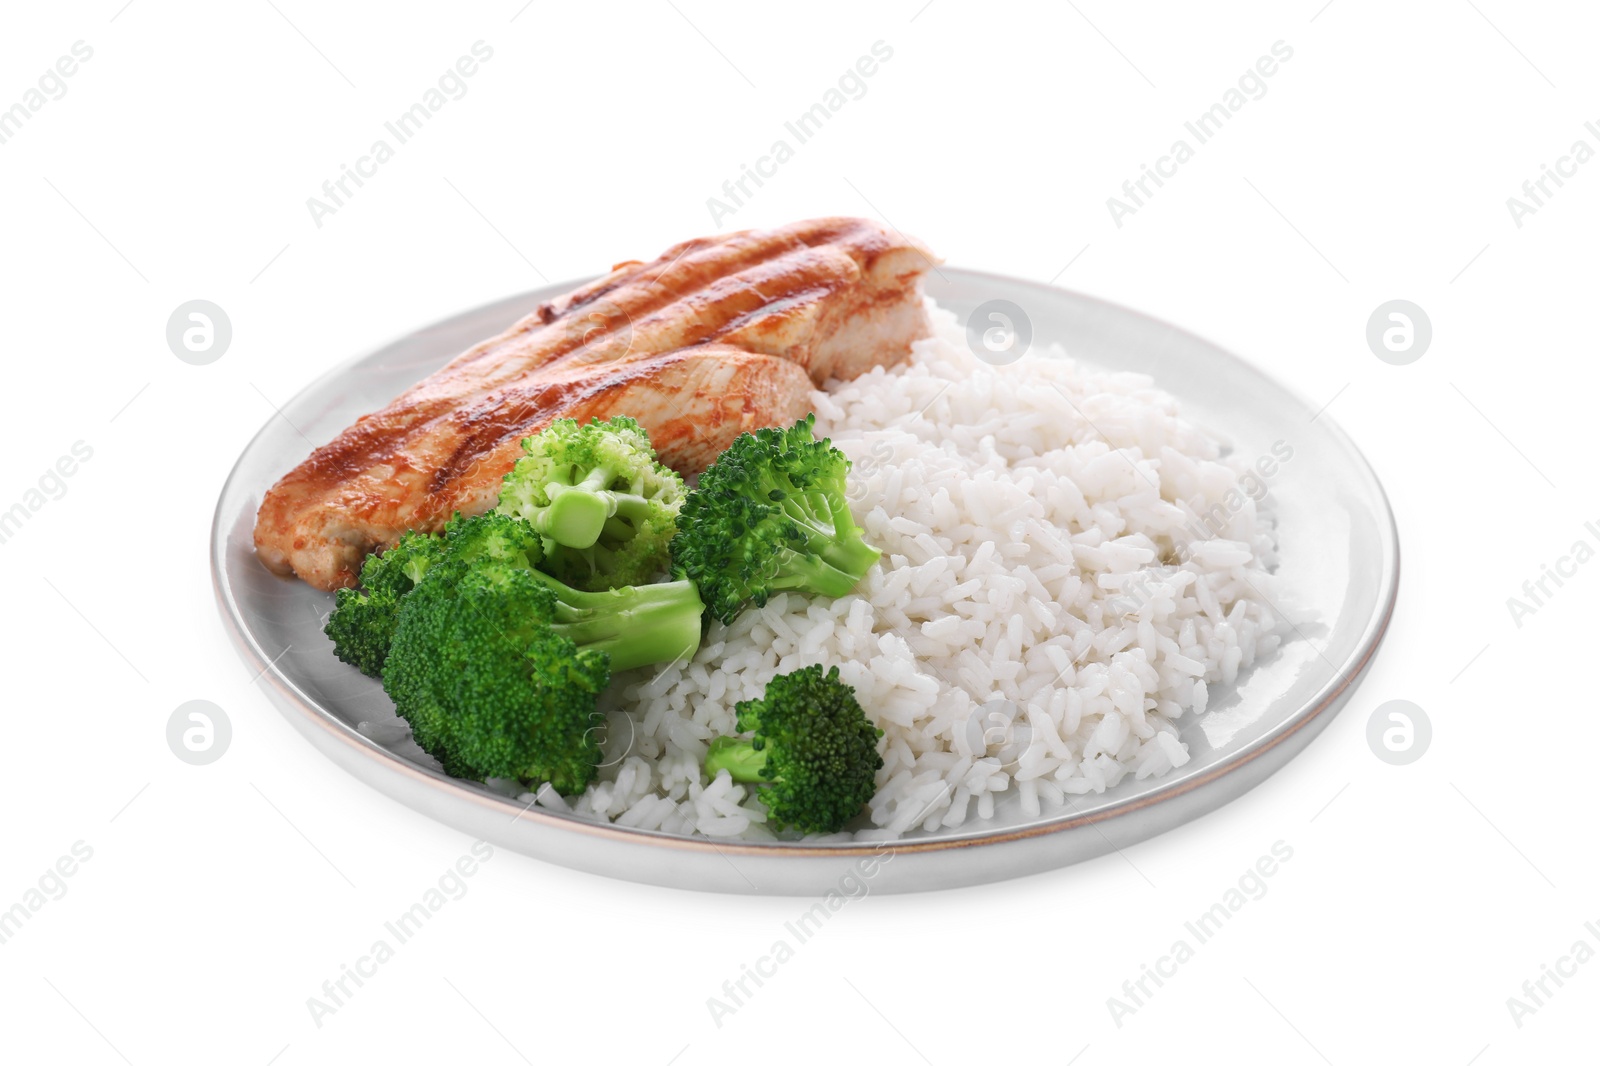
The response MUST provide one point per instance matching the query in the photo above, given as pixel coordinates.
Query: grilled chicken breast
(718, 336)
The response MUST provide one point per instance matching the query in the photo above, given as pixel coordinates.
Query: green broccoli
(770, 515)
(490, 689)
(492, 541)
(635, 625)
(605, 507)
(497, 665)
(814, 752)
(362, 623)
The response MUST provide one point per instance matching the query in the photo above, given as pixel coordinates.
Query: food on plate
(907, 587)
(769, 516)
(813, 751)
(497, 665)
(717, 336)
(606, 508)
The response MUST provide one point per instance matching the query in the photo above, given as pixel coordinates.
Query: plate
(1339, 553)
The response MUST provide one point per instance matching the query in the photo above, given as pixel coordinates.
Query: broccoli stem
(739, 757)
(832, 534)
(815, 574)
(636, 625)
(580, 513)
(851, 555)
(633, 507)
(617, 529)
(574, 518)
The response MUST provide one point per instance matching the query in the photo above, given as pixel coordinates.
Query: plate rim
(1328, 700)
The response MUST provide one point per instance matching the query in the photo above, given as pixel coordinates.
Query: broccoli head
(492, 542)
(497, 665)
(489, 687)
(604, 506)
(770, 515)
(363, 620)
(813, 752)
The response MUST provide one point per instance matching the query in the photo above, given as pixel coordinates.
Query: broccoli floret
(636, 625)
(363, 620)
(605, 507)
(362, 623)
(493, 542)
(770, 515)
(490, 688)
(814, 752)
(497, 665)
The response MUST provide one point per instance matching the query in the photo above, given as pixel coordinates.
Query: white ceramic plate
(1339, 554)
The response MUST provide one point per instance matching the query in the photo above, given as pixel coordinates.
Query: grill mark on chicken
(524, 410)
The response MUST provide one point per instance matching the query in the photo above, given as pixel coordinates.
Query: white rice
(1048, 604)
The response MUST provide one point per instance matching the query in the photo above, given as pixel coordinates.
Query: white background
(1377, 166)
